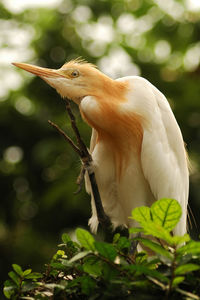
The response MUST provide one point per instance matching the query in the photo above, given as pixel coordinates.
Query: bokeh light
(13, 154)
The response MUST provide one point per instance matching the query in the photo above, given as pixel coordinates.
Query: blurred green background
(157, 39)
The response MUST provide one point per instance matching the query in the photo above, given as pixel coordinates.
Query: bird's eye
(75, 73)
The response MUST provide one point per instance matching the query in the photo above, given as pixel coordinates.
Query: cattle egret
(136, 144)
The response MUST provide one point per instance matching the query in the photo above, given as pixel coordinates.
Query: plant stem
(173, 267)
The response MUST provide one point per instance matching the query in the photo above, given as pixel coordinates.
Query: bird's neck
(110, 89)
(119, 130)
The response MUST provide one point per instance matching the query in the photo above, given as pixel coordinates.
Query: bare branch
(85, 155)
(66, 137)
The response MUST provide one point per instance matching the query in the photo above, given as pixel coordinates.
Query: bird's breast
(89, 105)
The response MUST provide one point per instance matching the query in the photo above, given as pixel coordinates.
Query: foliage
(168, 268)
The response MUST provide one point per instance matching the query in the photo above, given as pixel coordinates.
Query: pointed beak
(39, 71)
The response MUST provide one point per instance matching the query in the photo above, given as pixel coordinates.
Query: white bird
(136, 145)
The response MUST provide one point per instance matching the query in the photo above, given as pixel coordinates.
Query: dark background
(159, 40)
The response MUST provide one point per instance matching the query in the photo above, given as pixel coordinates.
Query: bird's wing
(163, 157)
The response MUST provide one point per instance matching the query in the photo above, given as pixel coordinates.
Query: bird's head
(74, 80)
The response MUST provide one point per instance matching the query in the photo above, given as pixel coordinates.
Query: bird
(137, 148)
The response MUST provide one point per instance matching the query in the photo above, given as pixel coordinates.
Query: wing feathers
(164, 160)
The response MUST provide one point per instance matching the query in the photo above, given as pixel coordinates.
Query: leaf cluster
(167, 267)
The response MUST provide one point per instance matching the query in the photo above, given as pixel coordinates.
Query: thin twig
(173, 268)
(66, 137)
(82, 147)
(80, 142)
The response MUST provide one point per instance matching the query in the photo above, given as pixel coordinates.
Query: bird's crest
(79, 61)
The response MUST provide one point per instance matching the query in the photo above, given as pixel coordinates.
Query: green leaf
(166, 212)
(14, 277)
(78, 256)
(183, 269)
(17, 269)
(123, 243)
(141, 214)
(108, 272)
(9, 291)
(87, 285)
(192, 247)
(141, 284)
(28, 286)
(141, 257)
(8, 283)
(155, 247)
(177, 280)
(65, 238)
(71, 249)
(188, 295)
(116, 238)
(34, 275)
(151, 228)
(136, 230)
(85, 238)
(58, 266)
(92, 266)
(140, 269)
(106, 250)
(59, 254)
(27, 272)
(178, 240)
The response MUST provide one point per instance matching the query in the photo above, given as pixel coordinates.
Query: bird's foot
(86, 166)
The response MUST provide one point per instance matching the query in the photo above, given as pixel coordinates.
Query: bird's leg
(103, 219)
(80, 179)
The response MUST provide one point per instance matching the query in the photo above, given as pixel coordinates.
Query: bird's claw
(86, 166)
(80, 179)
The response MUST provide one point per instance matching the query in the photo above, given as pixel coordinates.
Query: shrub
(91, 269)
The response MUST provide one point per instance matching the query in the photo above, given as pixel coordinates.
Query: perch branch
(86, 159)
(79, 140)
(66, 137)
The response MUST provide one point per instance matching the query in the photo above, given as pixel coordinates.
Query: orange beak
(39, 71)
